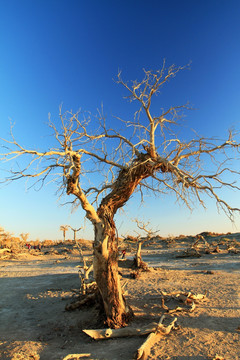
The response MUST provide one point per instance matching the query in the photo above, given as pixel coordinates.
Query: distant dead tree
(64, 229)
(24, 236)
(142, 153)
(75, 232)
(149, 234)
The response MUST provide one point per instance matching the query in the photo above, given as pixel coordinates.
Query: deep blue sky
(69, 52)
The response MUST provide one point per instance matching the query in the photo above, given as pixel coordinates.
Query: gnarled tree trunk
(106, 244)
(105, 262)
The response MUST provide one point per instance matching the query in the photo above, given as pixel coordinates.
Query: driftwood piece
(161, 330)
(75, 356)
(189, 299)
(185, 295)
(179, 308)
(101, 334)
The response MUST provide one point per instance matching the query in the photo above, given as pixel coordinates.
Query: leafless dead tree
(149, 234)
(75, 232)
(84, 270)
(24, 237)
(64, 229)
(148, 156)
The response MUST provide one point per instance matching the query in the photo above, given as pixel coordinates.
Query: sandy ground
(36, 288)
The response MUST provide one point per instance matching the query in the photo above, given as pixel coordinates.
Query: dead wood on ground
(160, 331)
(188, 299)
(76, 356)
(103, 334)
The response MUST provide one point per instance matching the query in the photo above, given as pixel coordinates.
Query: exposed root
(140, 264)
(122, 320)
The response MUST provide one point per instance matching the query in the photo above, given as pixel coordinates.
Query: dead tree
(75, 232)
(24, 237)
(64, 229)
(149, 234)
(84, 270)
(152, 157)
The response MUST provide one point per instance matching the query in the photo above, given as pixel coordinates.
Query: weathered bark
(105, 263)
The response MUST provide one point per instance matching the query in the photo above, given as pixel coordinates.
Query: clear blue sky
(68, 52)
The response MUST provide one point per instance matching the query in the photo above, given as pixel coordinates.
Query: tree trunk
(106, 244)
(138, 258)
(105, 263)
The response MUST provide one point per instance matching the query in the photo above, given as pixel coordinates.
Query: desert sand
(36, 286)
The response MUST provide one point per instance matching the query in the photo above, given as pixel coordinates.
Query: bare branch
(148, 159)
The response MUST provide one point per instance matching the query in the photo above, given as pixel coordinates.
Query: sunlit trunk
(117, 312)
(138, 258)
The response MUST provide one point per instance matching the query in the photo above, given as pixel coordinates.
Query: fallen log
(161, 330)
(184, 295)
(101, 334)
(179, 308)
(75, 356)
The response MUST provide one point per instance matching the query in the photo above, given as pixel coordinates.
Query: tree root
(142, 267)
